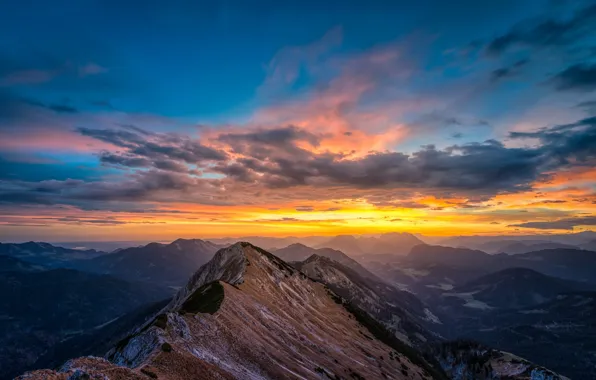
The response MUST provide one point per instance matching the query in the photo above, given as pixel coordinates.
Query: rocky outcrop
(465, 360)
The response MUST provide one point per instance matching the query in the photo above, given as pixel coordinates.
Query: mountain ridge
(259, 289)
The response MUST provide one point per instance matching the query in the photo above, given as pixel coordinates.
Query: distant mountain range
(391, 243)
(318, 314)
(41, 308)
(300, 252)
(429, 267)
(488, 243)
(160, 264)
(517, 288)
(163, 264)
(45, 254)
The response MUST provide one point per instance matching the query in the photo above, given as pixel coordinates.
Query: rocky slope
(400, 311)
(466, 360)
(248, 315)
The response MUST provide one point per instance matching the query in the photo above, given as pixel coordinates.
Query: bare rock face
(248, 315)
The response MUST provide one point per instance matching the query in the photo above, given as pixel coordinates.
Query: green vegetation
(166, 347)
(206, 299)
(161, 321)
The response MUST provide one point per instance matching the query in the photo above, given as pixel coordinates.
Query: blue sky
(353, 82)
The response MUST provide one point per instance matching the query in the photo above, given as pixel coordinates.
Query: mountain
(457, 257)
(344, 243)
(572, 264)
(401, 312)
(11, 264)
(589, 246)
(45, 254)
(559, 333)
(162, 264)
(519, 247)
(39, 309)
(464, 359)
(392, 243)
(300, 252)
(513, 288)
(99, 340)
(294, 252)
(246, 314)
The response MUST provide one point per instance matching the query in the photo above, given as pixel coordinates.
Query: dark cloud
(264, 143)
(161, 170)
(282, 135)
(483, 169)
(480, 167)
(508, 71)
(62, 108)
(58, 108)
(580, 77)
(124, 160)
(568, 144)
(118, 137)
(588, 106)
(547, 33)
(561, 224)
(145, 149)
(136, 187)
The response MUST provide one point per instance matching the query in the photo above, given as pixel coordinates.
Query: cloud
(281, 136)
(91, 69)
(508, 71)
(561, 224)
(566, 145)
(305, 208)
(143, 148)
(580, 77)
(27, 77)
(58, 108)
(484, 167)
(544, 34)
(124, 160)
(589, 106)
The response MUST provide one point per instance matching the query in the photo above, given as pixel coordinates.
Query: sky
(234, 118)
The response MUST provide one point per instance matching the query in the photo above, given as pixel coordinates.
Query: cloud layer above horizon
(183, 120)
